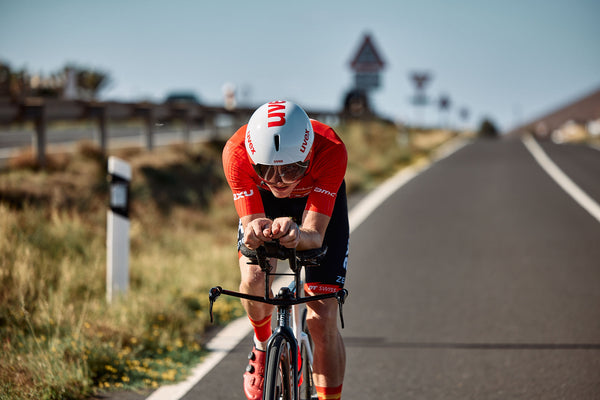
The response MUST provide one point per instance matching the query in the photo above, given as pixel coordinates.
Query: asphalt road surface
(61, 139)
(478, 279)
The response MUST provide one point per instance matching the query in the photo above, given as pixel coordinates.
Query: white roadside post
(117, 226)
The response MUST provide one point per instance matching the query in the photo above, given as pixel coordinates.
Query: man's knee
(322, 318)
(252, 278)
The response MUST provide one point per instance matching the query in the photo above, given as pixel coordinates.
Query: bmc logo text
(326, 192)
(241, 195)
(305, 142)
(276, 111)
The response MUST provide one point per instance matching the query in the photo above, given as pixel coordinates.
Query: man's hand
(257, 232)
(287, 231)
(261, 230)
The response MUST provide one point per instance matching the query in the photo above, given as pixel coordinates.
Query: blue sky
(510, 60)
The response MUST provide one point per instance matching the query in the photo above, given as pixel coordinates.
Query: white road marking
(237, 330)
(561, 178)
(218, 348)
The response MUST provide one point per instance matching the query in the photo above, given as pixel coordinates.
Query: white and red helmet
(279, 133)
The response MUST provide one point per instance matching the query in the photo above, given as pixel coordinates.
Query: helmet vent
(276, 139)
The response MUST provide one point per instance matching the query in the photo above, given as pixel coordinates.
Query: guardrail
(41, 111)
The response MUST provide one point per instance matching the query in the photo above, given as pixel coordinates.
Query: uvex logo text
(276, 113)
(250, 144)
(305, 142)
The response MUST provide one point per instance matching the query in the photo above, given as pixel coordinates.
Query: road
(64, 138)
(477, 279)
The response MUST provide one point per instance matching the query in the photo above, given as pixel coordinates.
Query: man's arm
(312, 231)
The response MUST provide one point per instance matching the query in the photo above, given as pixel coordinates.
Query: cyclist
(286, 173)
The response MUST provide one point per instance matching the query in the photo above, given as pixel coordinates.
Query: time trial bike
(291, 338)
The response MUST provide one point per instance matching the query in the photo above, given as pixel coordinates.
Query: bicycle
(281, 368)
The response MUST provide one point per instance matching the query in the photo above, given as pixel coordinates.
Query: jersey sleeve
(238, 173)
(331, 160)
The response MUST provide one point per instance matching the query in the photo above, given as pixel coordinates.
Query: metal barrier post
(34, 109)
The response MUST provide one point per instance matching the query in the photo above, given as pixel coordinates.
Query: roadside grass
(59, 337)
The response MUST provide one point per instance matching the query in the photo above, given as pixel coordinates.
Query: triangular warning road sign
(367, 58)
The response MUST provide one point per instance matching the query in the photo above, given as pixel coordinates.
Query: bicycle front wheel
(278, 374)
(307, 389)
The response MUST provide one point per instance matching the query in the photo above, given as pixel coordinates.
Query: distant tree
(79, 82)
(13, 83)
(4, 79)
(89, 82)
(488, 129)
(356, 104)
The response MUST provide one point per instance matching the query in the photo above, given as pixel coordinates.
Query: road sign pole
(420, 79)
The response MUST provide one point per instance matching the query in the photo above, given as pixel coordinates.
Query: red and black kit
(321, 190)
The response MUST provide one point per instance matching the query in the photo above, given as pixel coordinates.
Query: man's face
(282, 190)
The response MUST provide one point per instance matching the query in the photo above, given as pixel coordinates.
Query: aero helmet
(279, 133)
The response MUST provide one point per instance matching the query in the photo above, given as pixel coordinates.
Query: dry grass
(59, 337)
(425, 141)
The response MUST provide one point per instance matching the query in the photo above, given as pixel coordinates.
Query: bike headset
(279, 138)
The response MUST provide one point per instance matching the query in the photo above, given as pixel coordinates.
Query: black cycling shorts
(330, 276)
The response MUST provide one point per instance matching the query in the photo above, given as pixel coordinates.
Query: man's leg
(253, 282)
(329, 352)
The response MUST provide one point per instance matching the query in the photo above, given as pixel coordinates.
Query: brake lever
(212, 297)
(341, 298)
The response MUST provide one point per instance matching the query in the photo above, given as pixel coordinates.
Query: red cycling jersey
(321, 182)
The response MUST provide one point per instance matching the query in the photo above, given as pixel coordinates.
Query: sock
(300, 376)
(329, 393)
(262, 331)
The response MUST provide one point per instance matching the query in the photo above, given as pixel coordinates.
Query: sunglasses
(288, 173)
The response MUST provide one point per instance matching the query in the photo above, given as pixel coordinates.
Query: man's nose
(277, 178)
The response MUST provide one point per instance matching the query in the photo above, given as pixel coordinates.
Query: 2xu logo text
(241, 195)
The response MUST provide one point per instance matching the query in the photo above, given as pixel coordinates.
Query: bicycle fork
(283, 329)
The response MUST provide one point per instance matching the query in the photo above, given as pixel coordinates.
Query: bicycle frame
(289, 301)
(294, 334)
(290, 333)
(297, 320)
